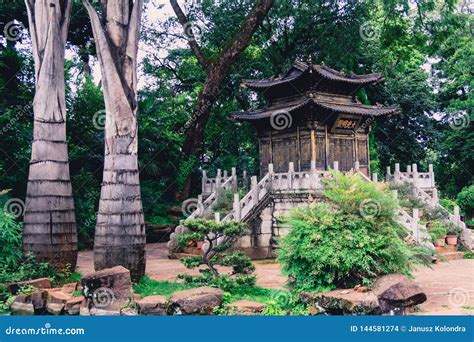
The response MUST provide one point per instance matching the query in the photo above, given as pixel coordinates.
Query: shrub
(219, 236)
(466, 201)
(350, 240)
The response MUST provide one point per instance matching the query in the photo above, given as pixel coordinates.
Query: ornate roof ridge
(302, 68)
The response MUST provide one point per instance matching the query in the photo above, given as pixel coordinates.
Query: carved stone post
(416, 219)
(336, 165)
(434, 197)
(236, 207)
(375, 177)
(356, 166)
(291, 170)
(254, 185)
(217, 217)
(387, 174)
(432, 175)
(396, 173)
(234, 179)
(204, 181)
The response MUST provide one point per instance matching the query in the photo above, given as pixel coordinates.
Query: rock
(84, 311)
(73, 305)
(58, 297)
(201, 301)
(55, 308)
(128, 312)
(108, 286)
(39, 299)
(247, 308)
(152, 305)
(69, 288)
(360, 288)
(40, 283)
(389, 294)
(104, 312)
(400, 296)
(22, 309)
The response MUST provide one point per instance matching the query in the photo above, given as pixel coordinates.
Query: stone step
(446, 249)
(452, 256)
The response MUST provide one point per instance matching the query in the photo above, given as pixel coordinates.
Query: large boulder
(390, 294)
(22, 309)
(73, 305)
(152, 305)
(108, 288)
(198, 301)
(246, 307)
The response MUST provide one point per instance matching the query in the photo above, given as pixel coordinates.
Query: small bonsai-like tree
(218, 238)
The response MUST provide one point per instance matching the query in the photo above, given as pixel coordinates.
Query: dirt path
(449, 286)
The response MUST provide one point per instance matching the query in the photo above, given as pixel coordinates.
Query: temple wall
(266, 228)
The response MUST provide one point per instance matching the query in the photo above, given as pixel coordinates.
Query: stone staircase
(292, 183)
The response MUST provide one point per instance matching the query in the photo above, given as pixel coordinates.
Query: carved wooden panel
(265, 154)
(305, 146)
(362, 151)
(284, 150)
(341, 149)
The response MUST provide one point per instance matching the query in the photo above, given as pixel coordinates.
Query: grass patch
(468, 307)
(148, 287)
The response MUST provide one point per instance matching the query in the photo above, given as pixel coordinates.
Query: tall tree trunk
(49, 223)
(216, 73)
(120, 228)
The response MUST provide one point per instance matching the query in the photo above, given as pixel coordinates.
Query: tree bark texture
(120, 227)
(216, 73)
(49, 223)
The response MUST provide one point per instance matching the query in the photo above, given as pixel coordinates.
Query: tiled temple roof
(331, 102)
(300, 69)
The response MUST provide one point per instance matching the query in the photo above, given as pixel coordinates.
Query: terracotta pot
(440, 242)
(199, 244)
(421, 213)
(452, 240)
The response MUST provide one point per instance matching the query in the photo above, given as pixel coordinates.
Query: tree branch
(183, 20)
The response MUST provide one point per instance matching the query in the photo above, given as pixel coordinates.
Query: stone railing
(422, 180)
(209, 185)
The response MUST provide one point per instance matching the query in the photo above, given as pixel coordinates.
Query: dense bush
(351, 239)
(466, 201)
(219, 237)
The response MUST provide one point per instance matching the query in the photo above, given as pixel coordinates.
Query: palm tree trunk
(49, 223)
(120, 229)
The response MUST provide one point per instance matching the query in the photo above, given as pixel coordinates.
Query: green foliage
(10, 240)
(466, 201)
(343, 243)
(148, 287)
(219, 236)
(437, 230)
(448, 204)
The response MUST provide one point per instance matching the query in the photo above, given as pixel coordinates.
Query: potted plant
(438, 234)
(452, 234)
